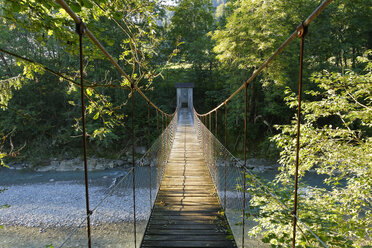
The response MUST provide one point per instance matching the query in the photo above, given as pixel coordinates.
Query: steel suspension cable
(224, 200)
(216, 130)
(210, 137)
(245, 157)
(110, 192)
(39, 64)
(149, 145)
(162, 122)
(90, 35)
(265, 188)
(134, 172)
(59, 74)
(82, 26)
(134, 87)
(80, 30)
(162, 137)
(294, 35)
(302, 30)
(210, 121)
(157, 121)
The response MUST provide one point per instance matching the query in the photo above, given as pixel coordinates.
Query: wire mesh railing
(157, 156)
(209, 145)
(233, 180)
(135, 189)
(227, 175)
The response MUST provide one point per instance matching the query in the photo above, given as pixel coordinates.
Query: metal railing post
(245, 159)
(149, 145)
(80, 29)
(216, 126)
(224, 199)
(133, 170)
(302, 31)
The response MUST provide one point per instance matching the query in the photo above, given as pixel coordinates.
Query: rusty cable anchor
(302, 30)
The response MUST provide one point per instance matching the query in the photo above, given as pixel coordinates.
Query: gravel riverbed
(44, 214)
(46, 206)
(62, 204)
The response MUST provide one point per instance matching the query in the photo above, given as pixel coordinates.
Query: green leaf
(87, 4)
(75, 7)
(95, 117)
(89, 91)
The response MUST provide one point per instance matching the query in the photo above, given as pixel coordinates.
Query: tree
(190, 24)
(250, 31)
(43, 31)
(339, 214)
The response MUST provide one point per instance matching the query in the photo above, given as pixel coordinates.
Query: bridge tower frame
(185, 95)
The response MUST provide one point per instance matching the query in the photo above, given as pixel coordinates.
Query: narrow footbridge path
(187, 211)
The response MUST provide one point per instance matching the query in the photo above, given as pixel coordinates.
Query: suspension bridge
(192, 178)
(187, 211)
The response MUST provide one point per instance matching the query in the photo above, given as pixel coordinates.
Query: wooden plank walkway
(187, 212)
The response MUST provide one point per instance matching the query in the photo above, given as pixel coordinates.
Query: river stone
(100, 166)
(92, 162)
(64, 165)
(45, 168)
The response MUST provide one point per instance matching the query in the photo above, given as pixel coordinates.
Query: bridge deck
(187, 212)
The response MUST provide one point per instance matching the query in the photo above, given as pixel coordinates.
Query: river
(46, 206)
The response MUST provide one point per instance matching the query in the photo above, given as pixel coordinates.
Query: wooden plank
(185, 217)
(189, 191)
(200, 243)
(188, 198)
(182, 226)
(186, 202)
(173, 204)
(199, 177)
(187, 187)
(184, 238)
(192, 172)
(187, 212)
(160, 221)
(190, 194)
(186, 208)
(196, 233)
(187, 182)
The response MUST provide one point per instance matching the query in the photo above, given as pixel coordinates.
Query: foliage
(43, 31)
(341, 213)
(248, 32)
(3, 154)
(192, 21)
